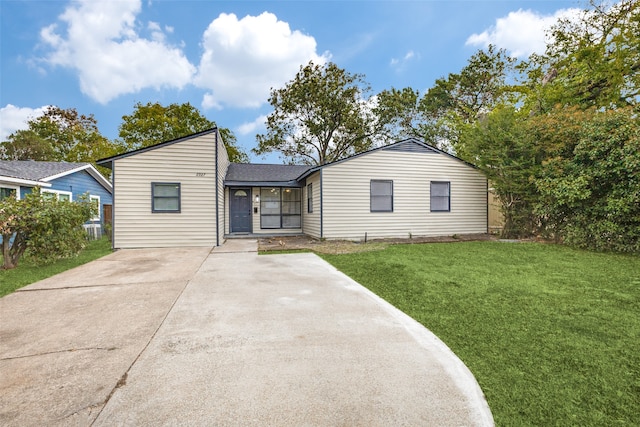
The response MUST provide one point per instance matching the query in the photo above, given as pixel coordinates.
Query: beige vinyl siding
(190, 163)
(346, 201)
(311, 221)
(223, 166)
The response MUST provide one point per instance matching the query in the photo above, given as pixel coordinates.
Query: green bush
(45, 228)
(593, 196)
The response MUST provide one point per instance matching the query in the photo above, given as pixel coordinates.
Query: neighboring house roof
(33, 173)
(268, 175)
(407, 145)
(107, 162)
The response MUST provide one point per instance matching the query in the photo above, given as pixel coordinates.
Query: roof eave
(25, 182)
(234, 183)
(90, 170)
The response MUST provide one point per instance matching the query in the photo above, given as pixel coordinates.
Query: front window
(165, 197)
(381, 199)
(280, 208)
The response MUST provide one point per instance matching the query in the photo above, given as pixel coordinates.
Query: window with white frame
(6, 191)
(63, 196)
(95, 201)
(165, 197)
(381, 195)
(440, 196)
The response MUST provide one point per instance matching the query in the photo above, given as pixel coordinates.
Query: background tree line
(556, 134)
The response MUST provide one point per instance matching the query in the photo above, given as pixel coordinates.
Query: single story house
(185, 192)
(62, 180)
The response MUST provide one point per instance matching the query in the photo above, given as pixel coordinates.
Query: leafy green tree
(499, 145)
(74, 137)
(320, 116)
(45, 227)
(462, 98)
(593, 61)
(26, 144)
(59, 135)
(399, 112)
(153, 123)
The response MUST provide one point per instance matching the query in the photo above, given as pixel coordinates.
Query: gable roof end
(407, 145)
(107, 161)
(35, 173)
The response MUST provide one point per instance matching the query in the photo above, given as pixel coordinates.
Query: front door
(240, 210)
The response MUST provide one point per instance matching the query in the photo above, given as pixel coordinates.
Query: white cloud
(252, 127)
(521, 33)
(100, 41)
(14, 118)
(243, 59)
(400, 63)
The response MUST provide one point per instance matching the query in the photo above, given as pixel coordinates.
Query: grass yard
(552, 334)
(29, 272)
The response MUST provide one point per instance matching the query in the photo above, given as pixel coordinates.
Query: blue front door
(240, 210)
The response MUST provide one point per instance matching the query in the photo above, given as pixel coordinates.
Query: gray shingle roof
(34, 171)
(246, 173)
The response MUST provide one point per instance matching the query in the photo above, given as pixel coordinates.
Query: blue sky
(102, 57)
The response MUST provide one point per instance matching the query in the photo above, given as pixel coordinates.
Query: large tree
(59, 134)
(592, 61)
(153, 123)
(26, 144)
(322, 115)
(454, 102)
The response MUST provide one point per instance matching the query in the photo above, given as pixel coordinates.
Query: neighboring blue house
(63, 180)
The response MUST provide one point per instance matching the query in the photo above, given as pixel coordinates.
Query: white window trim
(12, 187)
(60, 192)
(91, 199)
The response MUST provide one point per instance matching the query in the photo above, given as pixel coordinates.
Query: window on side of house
(440, 196)
(63, 196)
(165, 197)
(310, 198)
(8, 192)
(381, 195)
(95, 201)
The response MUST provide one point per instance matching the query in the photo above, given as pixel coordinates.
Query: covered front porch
(263, 200)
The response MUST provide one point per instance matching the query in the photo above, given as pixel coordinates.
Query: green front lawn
(29, 272)
(552, 334)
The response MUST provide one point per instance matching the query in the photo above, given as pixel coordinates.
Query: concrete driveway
(227, 337)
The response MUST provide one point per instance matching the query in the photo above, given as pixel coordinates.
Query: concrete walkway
(151, 337)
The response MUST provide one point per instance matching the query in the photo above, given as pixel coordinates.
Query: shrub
(45, 228)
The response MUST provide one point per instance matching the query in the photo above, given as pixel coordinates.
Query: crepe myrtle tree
(44, 227)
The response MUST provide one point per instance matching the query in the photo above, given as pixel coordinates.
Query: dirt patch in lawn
(306, 243)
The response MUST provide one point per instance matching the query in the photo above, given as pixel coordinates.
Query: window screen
(440, 197)
(381, 196)
(165, 197)
(310, 198)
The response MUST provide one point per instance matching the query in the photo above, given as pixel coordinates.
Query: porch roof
(250, 174)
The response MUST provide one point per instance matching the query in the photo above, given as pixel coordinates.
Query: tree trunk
(6, 253)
